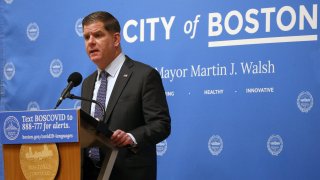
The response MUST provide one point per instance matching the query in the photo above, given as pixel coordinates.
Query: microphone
(73, 81)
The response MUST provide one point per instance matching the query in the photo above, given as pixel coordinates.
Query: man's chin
(95, 59)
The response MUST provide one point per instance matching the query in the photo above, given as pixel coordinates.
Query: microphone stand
(102, 126)
(72, 96)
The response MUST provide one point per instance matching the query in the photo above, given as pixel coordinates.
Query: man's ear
(116, 39)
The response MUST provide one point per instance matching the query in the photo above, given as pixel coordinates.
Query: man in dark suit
(136, 106)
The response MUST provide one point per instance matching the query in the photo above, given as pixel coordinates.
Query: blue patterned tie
(101, 97)
(98, 113)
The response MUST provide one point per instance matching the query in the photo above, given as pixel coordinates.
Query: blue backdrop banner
(242, 78)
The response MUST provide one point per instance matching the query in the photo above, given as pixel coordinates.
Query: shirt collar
(114, 66)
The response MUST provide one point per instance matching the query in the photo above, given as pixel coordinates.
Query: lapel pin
(125, 75)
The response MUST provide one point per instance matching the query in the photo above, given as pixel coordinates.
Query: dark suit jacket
(138, 106)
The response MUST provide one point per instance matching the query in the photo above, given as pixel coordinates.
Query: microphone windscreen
(76, 78)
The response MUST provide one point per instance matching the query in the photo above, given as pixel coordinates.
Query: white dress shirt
(113, 70)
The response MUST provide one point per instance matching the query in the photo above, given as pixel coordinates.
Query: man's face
(101, 45)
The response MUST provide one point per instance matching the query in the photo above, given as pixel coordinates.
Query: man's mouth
(93, 51)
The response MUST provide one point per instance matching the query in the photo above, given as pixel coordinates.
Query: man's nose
(91, 40)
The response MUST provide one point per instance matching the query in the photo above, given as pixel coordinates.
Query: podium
(24, 132)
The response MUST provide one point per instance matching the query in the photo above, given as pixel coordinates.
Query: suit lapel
(121, 82)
